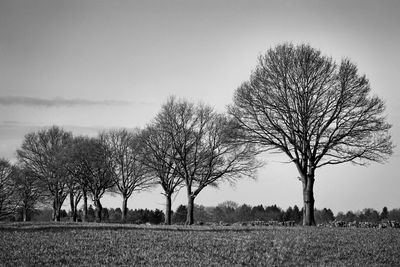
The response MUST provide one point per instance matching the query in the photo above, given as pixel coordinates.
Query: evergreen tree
(180, 214)
(384, 214)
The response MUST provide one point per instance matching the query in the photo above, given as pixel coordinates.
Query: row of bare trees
(194, 146)
(79, 167)
(186, 145)
(53, 165)
(19, 190)
(297, 102)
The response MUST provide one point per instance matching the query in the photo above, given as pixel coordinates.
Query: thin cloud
(57, 102)
(12, 122)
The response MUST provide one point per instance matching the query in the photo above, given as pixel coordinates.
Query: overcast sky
(90, 65)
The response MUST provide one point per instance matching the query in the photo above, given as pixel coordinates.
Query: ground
(49, 244)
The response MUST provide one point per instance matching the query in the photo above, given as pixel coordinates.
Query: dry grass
(49, 244)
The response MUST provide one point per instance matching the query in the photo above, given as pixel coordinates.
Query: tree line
(228, 212)
(231, 212)
(187, 145)
(296, 101)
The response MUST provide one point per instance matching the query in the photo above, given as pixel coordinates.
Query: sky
(89, 65)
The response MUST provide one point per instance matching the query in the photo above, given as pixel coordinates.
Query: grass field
(49, 244)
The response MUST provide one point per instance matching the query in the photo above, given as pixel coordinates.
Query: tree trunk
(190, 210)
(168, 209)
(124, 207)
(78, 197)
(24, 214)
(53, 215)
(308, 199)
(85, 207)
(72, 206)
(57, 215)
(56, 210)
(75, 215)
(99, 207)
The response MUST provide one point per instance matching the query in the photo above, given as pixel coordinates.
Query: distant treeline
(227, 212)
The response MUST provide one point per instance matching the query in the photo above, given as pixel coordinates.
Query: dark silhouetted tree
(369, 215)
(287, 216)
(244, 213)
(105, 215)
(180, 214)
(394, 215)
(63, 214)
(91, 216)
(324, 216)
(273, 213)
(156, 217)
(115, 215)
(258, 213)
(348, 217)
(226, 211)
(384, 214)
(202, 214)
(297, 215)
(314, 110)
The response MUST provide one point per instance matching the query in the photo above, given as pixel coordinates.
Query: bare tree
(205, 151)
(159, 157)
(317, 112)
(73, 178)
(42, 153)
(75, 194)
(128, 172)
(77, 180)
(94, 169)
(8, 203)
(29, 190)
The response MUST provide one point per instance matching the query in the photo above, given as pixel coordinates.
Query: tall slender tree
(78, 182)
(75, 194)
(159, 158)
(316, 111)
(73, 179)
(128, 172)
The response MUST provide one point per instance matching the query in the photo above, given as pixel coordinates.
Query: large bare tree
(125, 153)
(159, 158)
(205, 147)
(316, 111)
(42, 153)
